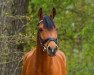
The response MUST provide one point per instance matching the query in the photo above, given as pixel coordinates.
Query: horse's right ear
(53, 13)
(40, 14)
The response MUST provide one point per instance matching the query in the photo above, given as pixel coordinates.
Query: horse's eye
(40, 29)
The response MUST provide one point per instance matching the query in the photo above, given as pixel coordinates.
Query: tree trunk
(12, 22)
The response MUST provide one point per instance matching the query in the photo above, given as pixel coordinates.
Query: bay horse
(45, 59)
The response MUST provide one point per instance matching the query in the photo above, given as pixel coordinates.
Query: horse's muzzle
(51, 51)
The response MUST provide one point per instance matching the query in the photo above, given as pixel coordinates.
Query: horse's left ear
(53, 13)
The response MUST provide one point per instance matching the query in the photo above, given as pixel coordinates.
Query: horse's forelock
(48, 22)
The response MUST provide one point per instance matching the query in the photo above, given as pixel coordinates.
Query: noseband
(46, 41)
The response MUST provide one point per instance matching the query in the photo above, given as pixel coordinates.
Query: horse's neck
(41, 56)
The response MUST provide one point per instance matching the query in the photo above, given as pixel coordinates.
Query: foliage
(75, 22)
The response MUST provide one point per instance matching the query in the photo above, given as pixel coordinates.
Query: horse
(45, 59)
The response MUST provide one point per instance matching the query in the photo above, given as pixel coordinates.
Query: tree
(12, 22)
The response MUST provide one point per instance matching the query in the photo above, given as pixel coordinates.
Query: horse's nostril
(49, 48)
(56, 48)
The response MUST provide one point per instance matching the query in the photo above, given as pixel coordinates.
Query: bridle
(46, 41)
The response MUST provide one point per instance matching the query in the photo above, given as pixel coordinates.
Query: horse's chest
(50, 68)
(44, 68)
(55, 69)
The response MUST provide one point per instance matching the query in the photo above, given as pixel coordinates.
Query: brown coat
(35, 64)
